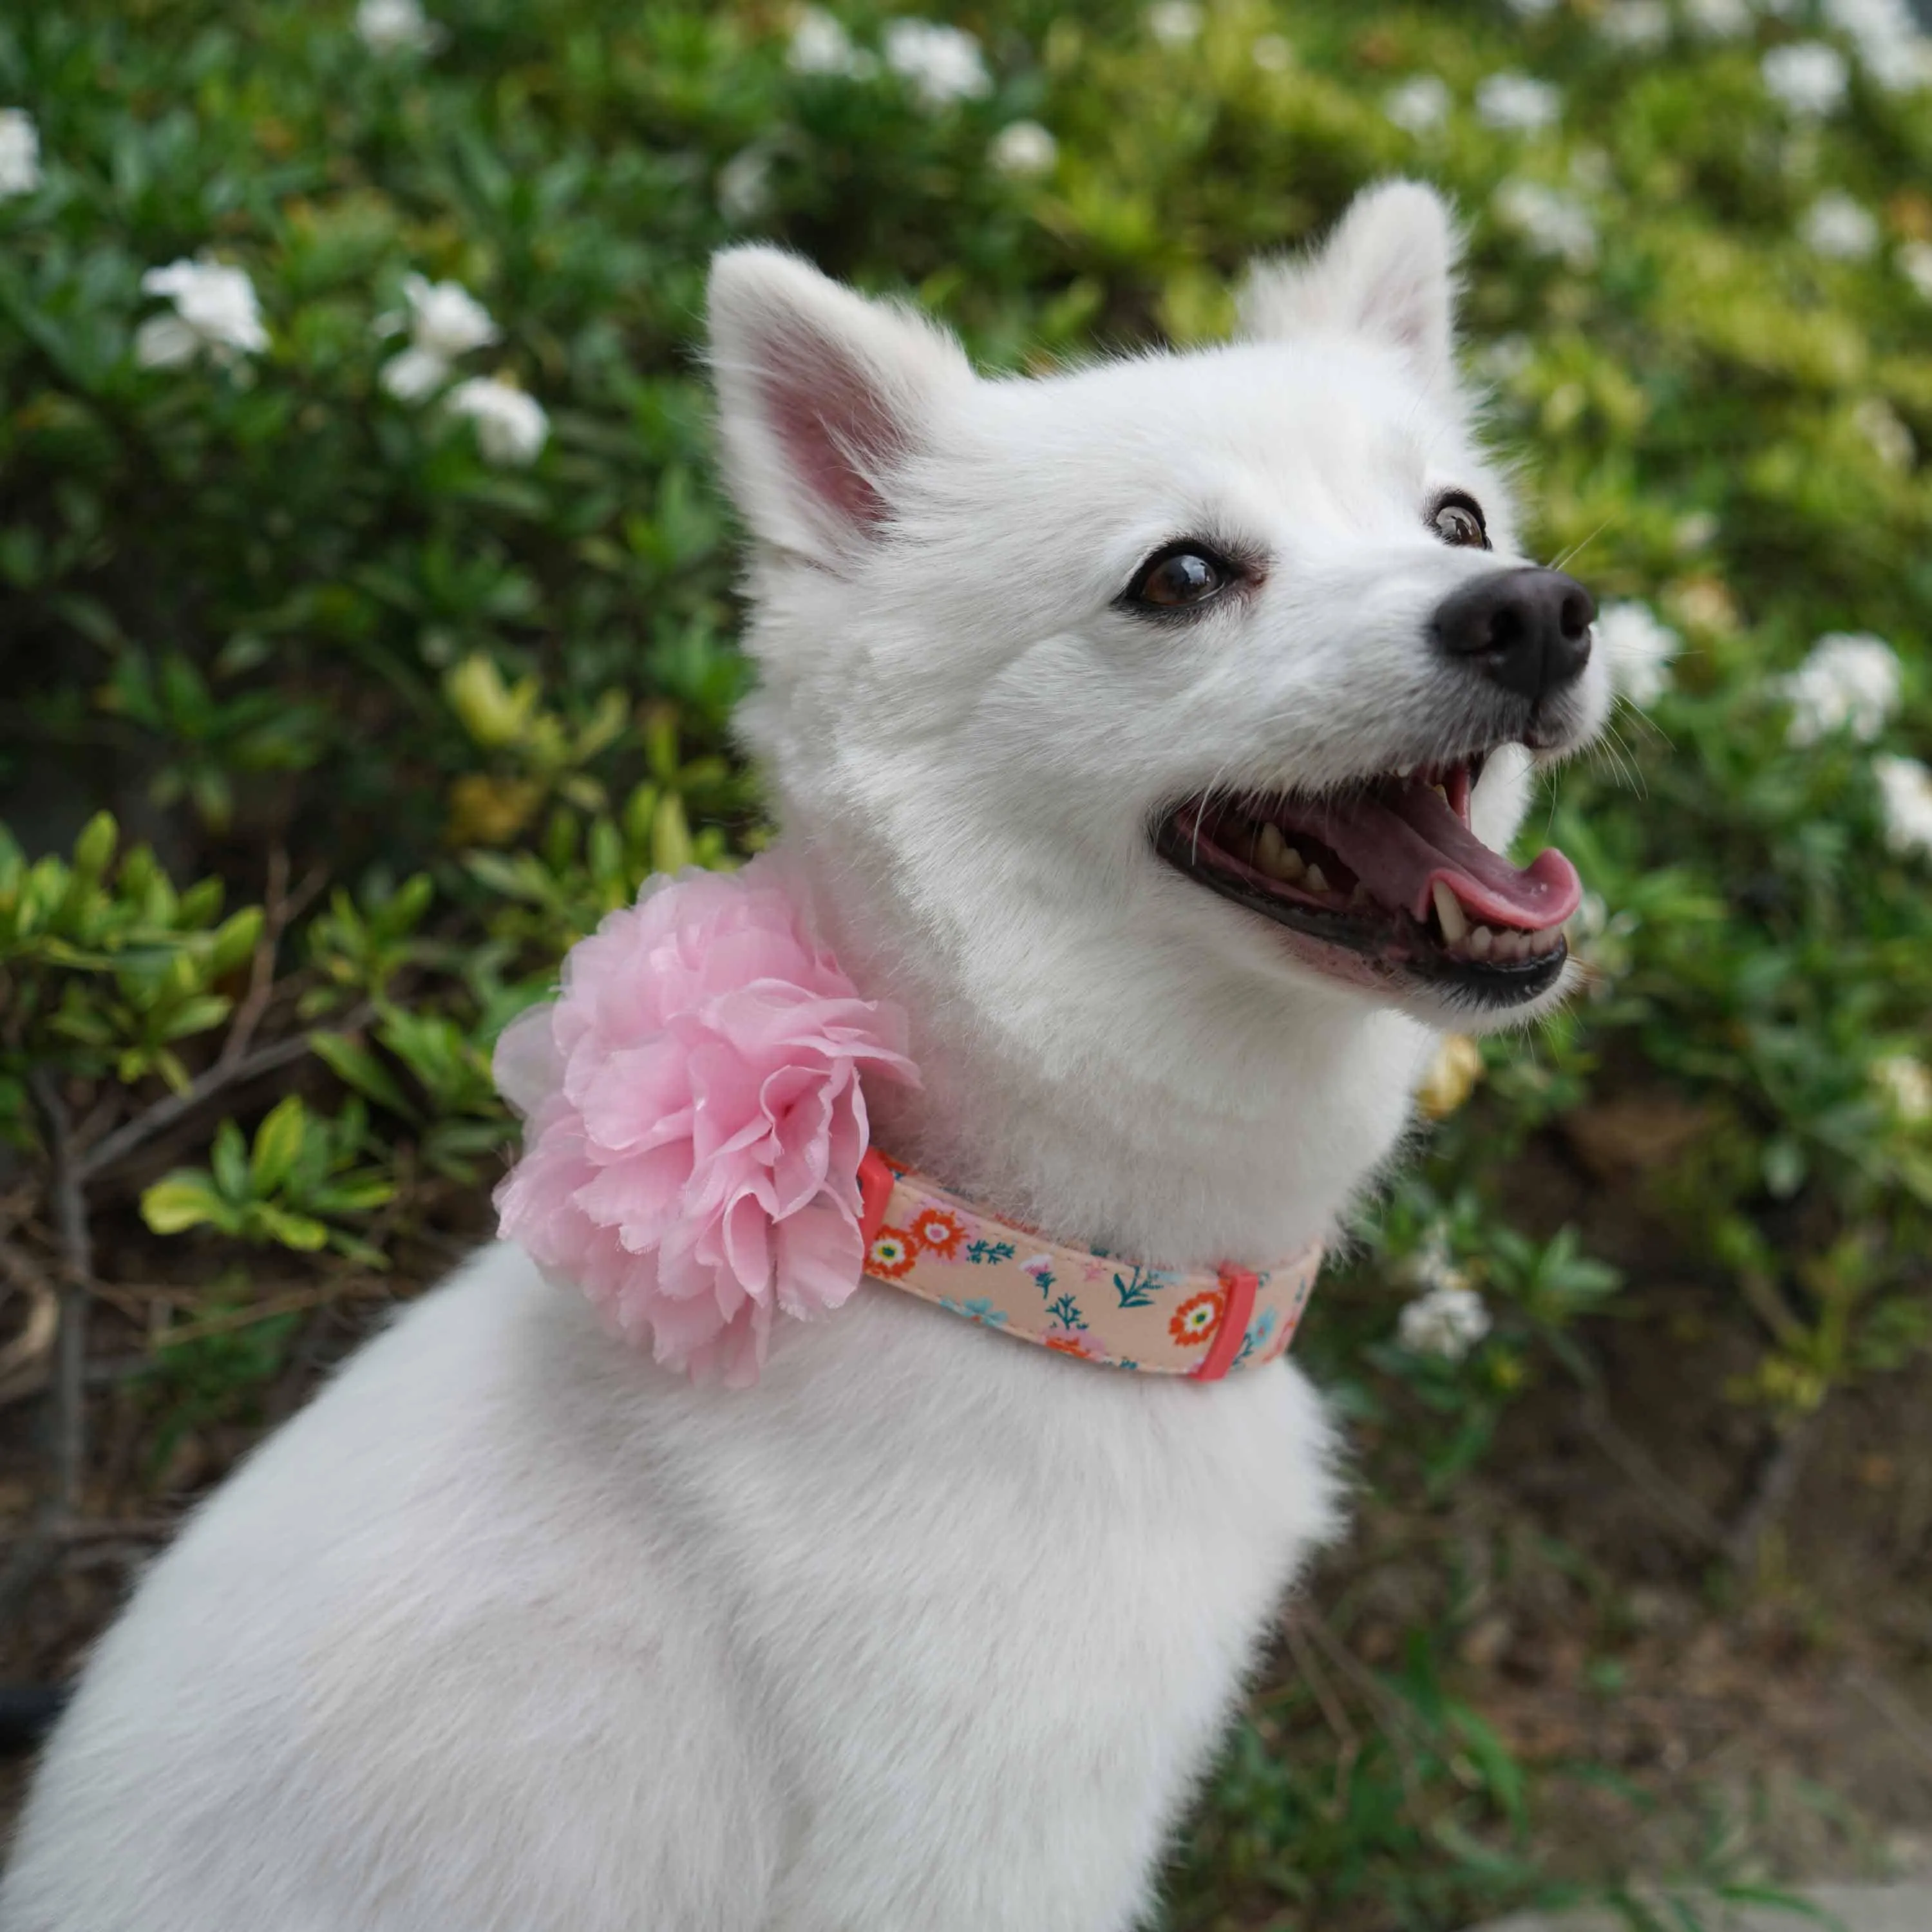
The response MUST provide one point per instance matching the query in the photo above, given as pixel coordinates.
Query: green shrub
(461, 669)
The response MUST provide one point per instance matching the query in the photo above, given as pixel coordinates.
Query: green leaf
(235, 941)
(300, 1231)
(94, 847)
(356, 1067)
(229, 1157)
(278, 1141)
(184, 1199)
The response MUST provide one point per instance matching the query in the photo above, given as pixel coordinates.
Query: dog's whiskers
(1577, 549)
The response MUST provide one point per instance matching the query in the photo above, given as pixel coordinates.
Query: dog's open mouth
(1390, 874)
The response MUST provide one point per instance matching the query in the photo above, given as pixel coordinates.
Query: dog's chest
(1008, 1606)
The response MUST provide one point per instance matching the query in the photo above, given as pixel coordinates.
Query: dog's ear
(822, 396)
(1388, 271)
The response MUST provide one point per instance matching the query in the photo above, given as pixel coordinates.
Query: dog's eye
(1458, 520)
(1179, 577)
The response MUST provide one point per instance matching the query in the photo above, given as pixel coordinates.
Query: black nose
(1526, 630)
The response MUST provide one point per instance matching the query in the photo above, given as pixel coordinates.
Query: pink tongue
(1401, 838)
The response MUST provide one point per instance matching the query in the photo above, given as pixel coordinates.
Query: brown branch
(104, 1529)
(1886, 1701)
(226, 1073)
(254, 1003)
(1349, 1744)
(279, 908)
(1405, 1733)
(1770, 1492)
(66, 1190)
(23, 1360)
(35, 1549)
(1671, 1499)
(356, 1289)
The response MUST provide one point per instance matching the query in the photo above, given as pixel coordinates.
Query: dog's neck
(1186, 1121)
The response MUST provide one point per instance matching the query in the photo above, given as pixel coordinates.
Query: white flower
(397, 26)
(1848, 683)
(1719, 20)
(511, 427)
(1418, 105)
(745, 185)
(1899, 66)
(943, 64)
(19, 152)
(1905, 791)
(445, 321)
(1837, 226)
(1449, 1321)
(820, 44)
(1553, 223)
(1272, 53)
(1638, 25)
(414, 374)
(1695, 532)
(1881, 425)
(1518, 104)
(215, 313)
(1174, 22)
(1809, 77)
(1914, 264)
(1638, 649)
(1024, 147)
(1892, 47)
(1905, 1082)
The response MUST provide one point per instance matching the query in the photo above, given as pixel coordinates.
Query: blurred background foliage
(366, 617)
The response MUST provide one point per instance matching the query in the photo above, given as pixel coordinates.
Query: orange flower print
(1065, 1341)
(1197, 1318)
(891, 1254)
(937, 1232)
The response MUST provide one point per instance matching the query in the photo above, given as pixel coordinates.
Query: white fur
(509, 1632)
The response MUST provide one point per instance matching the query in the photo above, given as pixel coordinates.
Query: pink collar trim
(1076, 1301)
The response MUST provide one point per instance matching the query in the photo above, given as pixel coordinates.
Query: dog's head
(1205, 677)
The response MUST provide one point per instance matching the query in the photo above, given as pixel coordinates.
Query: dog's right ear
(822, 397)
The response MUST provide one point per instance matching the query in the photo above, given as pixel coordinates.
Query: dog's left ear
(823, 397)
(1388, 271)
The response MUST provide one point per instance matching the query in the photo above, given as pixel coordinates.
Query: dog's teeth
(1272, 854)
(1360, 896)
(1314, 881)
(1480, 941)
(1441, 792)
(1509, 945)
(1449, 910)
(1404, 771)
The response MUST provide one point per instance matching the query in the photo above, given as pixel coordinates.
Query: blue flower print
(978, 1309)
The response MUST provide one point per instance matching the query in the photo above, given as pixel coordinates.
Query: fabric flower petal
(695, 1119)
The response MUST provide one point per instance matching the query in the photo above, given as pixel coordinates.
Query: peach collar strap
(1077, 1301)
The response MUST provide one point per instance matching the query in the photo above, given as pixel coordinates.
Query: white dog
(1124, 723)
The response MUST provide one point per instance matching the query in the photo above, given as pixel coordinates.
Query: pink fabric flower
(694, 1120)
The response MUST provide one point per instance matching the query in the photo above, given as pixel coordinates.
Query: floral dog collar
(697, 1159)
(1077, 1301)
